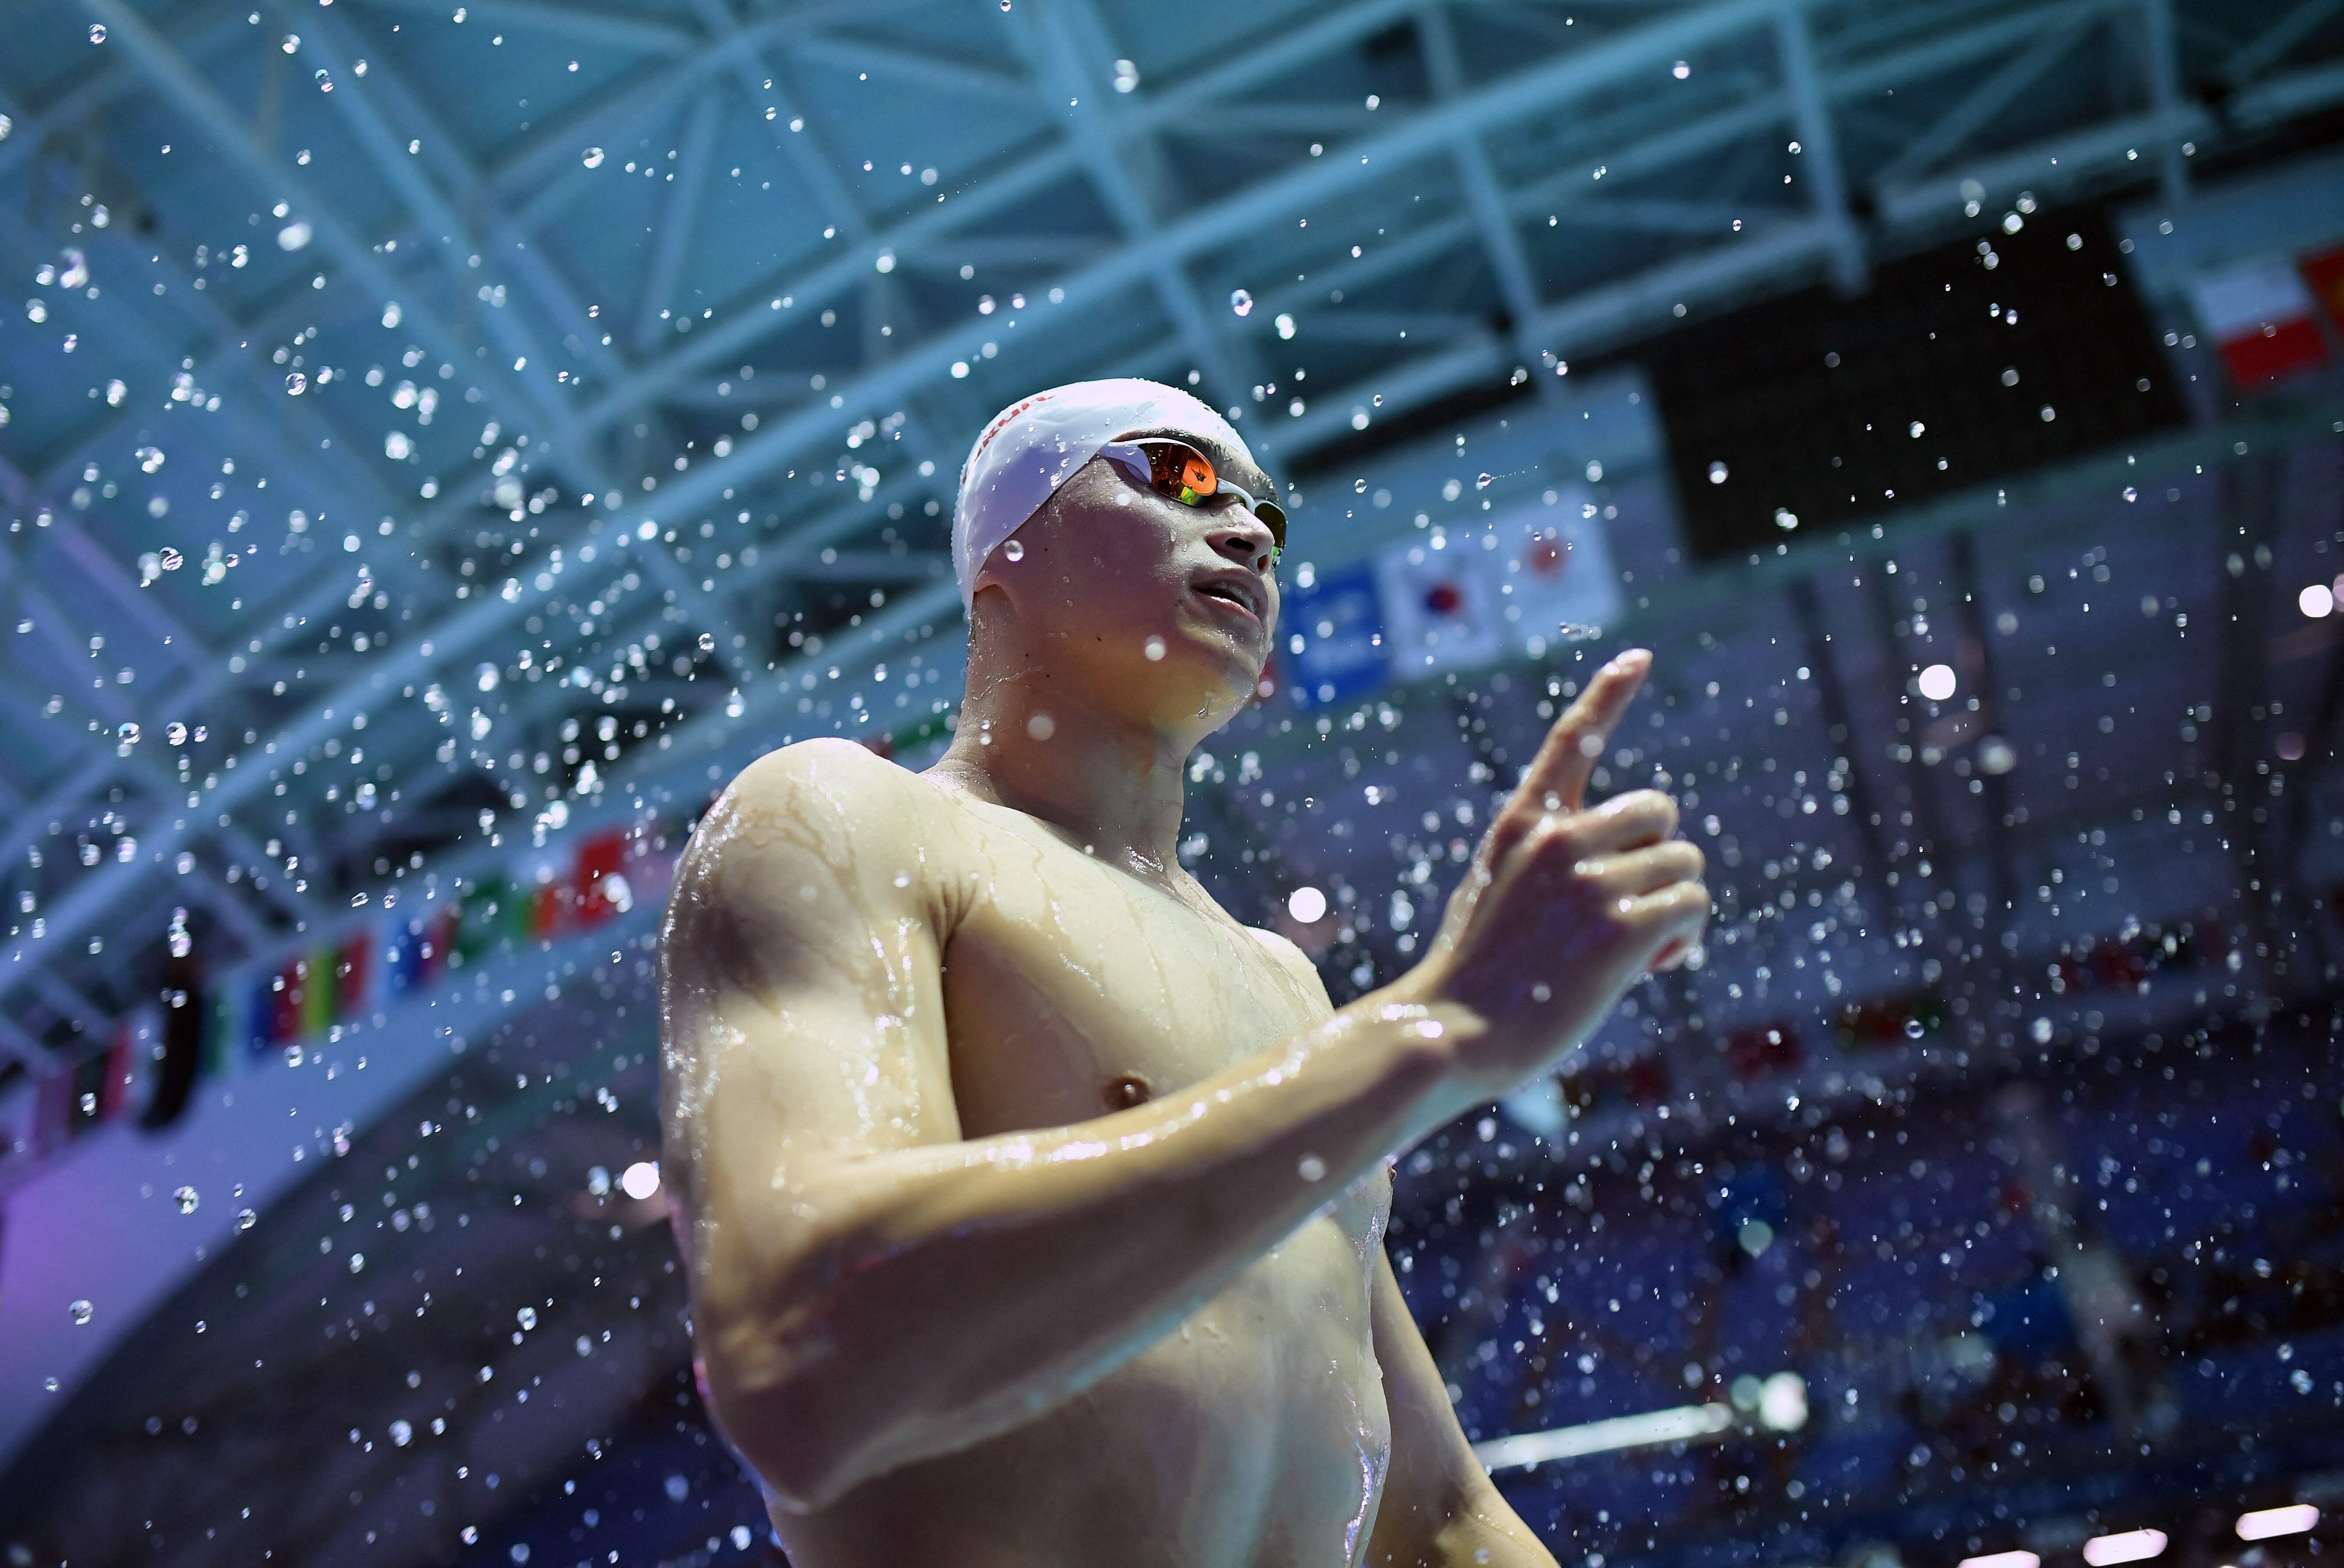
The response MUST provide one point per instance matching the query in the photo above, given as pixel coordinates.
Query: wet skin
(1034, 1206)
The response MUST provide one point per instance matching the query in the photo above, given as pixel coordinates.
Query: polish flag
(2263, 318)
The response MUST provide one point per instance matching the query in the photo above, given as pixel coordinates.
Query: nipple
(1126, 1090)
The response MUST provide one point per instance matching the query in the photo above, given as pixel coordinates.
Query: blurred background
(440, 443)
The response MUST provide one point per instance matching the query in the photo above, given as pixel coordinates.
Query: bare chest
(1255, 1430)
(1072, 989)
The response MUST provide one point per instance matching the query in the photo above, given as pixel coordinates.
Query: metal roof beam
(912, 67)
(671, 243)
(2267, 48)
(1500, 239)
(1244, 69)
(1058, 59)
(1978, 107)
(612, 29)
(574, 451)
(2164, 68)
(217, 24)
(1826, 177)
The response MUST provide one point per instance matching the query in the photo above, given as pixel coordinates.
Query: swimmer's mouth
(1234, 589)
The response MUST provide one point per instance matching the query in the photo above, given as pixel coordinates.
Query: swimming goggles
(1175, 470)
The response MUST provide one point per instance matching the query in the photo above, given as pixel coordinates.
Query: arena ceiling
(373, 349)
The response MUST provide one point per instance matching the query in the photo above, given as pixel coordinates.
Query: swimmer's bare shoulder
(800, 974)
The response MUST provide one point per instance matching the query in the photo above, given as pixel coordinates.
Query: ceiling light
(2125, 1546)
(2004, 1560)
(2265, 1523)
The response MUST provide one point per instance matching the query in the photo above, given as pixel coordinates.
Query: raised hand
(1566, 906)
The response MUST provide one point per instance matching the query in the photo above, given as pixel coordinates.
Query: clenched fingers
(1651, 869)
(1673, 918)
(1624, 822)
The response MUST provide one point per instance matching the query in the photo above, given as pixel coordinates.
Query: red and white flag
(2264, 320)
(1553, 575)
(1439, 605)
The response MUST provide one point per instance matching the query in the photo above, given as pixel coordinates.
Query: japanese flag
(1554, 575)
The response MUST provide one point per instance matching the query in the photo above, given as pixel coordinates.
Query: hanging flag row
(1528, 582)
(311, 992)
(155, 1056)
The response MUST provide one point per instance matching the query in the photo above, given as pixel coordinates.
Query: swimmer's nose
(1241, 537)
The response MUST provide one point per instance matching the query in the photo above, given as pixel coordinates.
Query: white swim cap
(1035, 444)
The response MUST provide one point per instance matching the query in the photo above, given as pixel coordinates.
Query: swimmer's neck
(1110, 781)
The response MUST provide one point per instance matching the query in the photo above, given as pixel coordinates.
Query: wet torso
(1254, 1433)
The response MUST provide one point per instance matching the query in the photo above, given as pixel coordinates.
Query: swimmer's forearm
(961, 1289)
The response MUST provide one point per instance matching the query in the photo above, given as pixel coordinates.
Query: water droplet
(1785, 519)
(96, 35)
(1359, 487)
(593, 157)
(246, 1218)
(1153, 648)
(2130, 493)
(80, 1311)
(526, 1316)
(1041, 726)
(358, 1261)
(325, 82)
(708, 642)
(176, 732)
(186, 1199)
(1311, 1167)
(1915, 429)
(1013, 550)
(1681, 70)
(1577, 631)
(1240, 301)
(402, 1434)
(1481, 483)
(1005, 5)
(296, 384)
(1717, 473)
(1127, 75)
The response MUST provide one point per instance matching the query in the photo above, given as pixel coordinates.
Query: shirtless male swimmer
(1033, 1208)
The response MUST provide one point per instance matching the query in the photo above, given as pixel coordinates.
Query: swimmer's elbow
(784, 1422)
(795, 1407)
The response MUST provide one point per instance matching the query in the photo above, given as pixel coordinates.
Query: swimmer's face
(1148, 600)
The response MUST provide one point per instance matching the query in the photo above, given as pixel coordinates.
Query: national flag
(599, 859)
(1440, 606)
(2262, 316)
(1553, 572)
(2324, 271)
(1335, 643)
(354, 972)
(318, 988)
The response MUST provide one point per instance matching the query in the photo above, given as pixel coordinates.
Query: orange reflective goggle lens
(1181, 473)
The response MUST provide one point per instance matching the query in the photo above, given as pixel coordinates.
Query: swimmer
(1033, 1206)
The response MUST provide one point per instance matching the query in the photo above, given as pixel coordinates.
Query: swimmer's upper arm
(802, 1023)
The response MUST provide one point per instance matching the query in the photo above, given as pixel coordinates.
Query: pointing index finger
(1568, 757)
